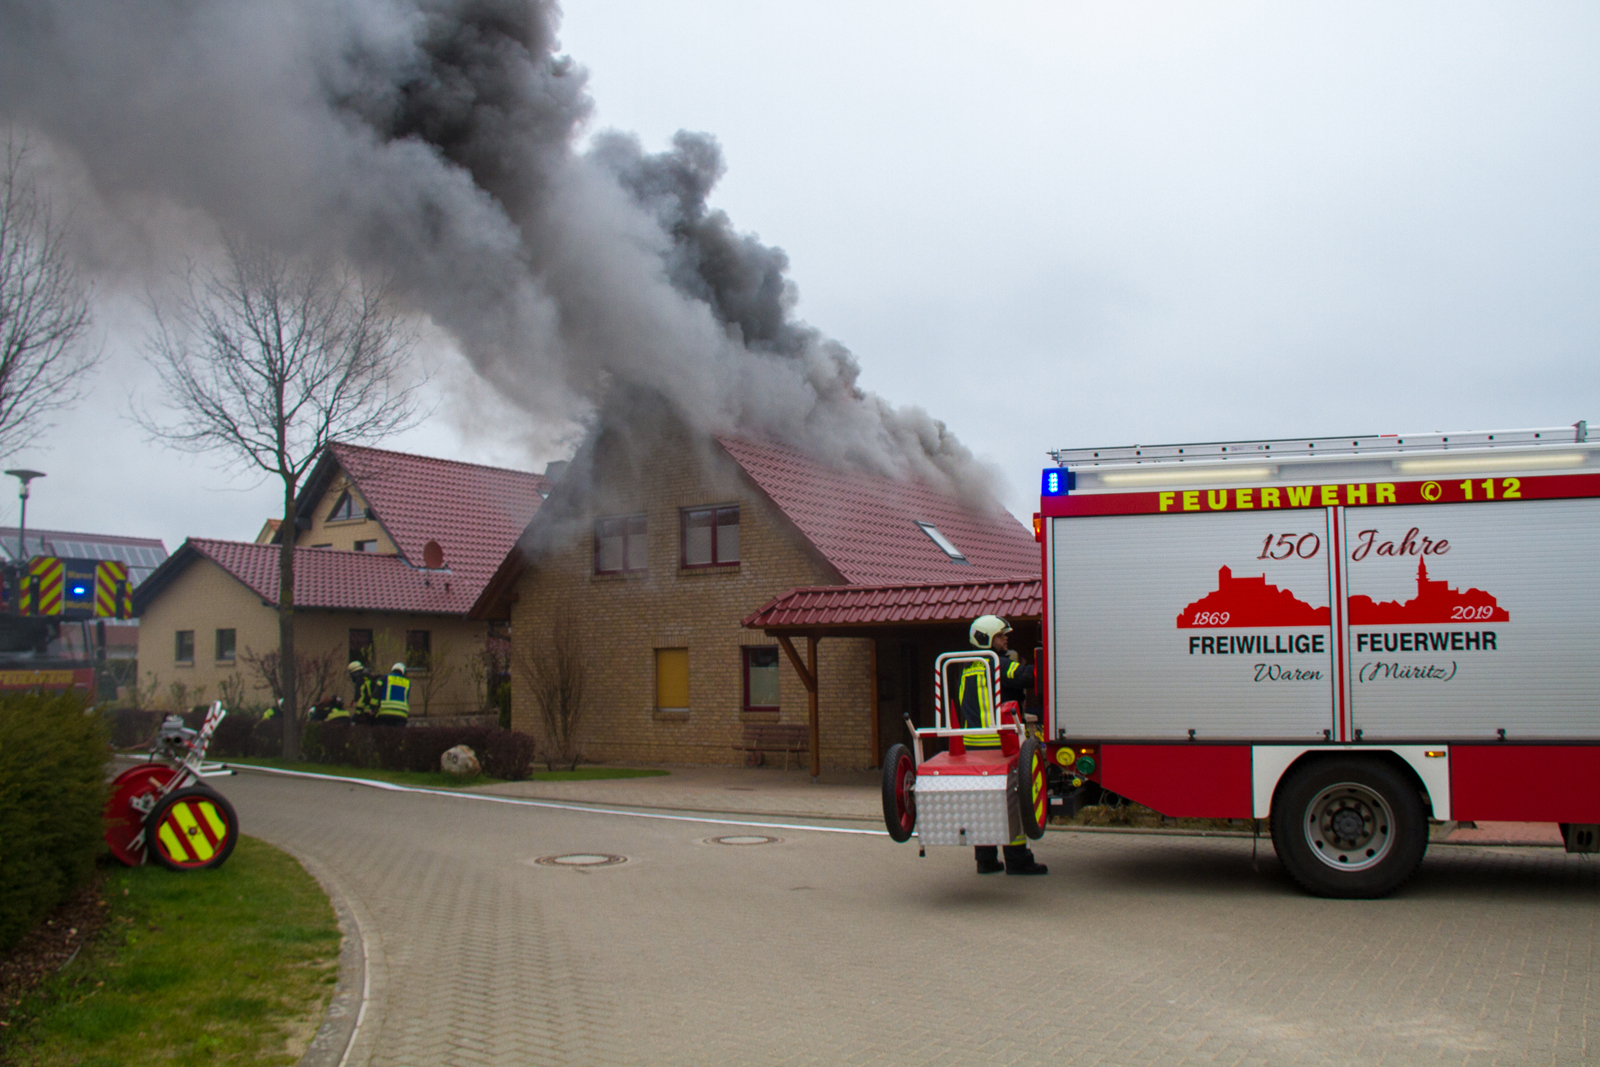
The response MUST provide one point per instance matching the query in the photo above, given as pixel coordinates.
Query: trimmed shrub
(502, 753)
(53, 758)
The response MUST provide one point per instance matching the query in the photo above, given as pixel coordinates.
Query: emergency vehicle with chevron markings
(42, 594)
(1346, 636)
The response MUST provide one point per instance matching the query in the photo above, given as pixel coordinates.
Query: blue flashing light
(1057, 482)
(79, 590)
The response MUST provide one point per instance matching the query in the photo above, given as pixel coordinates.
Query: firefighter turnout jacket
(977, 698)
(396, 702)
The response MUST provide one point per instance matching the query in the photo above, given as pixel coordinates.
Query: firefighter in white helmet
(976, 701)
(395, 706)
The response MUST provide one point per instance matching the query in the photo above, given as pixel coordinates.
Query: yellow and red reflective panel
(192, 831)
(111, 598)
(1041, 796)
(42, 591)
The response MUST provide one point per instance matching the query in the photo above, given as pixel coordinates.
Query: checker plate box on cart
(967, 809)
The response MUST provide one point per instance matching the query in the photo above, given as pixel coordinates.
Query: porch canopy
(883, 611)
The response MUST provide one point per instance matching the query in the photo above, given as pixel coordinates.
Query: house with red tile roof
(660, 550)
(393, 554)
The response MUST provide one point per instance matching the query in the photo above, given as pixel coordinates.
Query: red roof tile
(476, 513)
(865, 525)
(878, 605)
(326, 578)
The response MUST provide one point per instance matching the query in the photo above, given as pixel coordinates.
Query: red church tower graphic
(1249, 602)
(1434, 602)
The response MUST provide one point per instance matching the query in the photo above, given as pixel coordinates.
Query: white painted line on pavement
(557, 806)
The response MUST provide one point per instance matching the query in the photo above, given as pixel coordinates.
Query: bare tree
(267, 360)
(554, 673)
(44, 308)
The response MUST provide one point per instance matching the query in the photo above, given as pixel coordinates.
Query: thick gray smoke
(436, 141)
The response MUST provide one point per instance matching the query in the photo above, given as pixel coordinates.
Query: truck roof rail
(1301, 447)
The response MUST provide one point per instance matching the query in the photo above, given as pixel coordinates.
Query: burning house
(655, 550)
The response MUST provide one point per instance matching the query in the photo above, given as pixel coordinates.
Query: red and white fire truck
(1347, 636)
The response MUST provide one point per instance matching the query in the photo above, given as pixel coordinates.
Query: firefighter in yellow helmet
(394, 706)
(976, 701)
(365, 686)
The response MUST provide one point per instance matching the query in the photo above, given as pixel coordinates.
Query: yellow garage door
(672, 679)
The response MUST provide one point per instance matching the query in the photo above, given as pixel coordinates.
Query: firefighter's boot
(988, 857)
(1019, 860)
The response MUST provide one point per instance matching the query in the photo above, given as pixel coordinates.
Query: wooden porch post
(872, 666)
(808, 678)
(816, 728)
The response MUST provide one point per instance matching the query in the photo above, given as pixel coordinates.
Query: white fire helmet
(355, 665)
(985, 628)
(398, 668)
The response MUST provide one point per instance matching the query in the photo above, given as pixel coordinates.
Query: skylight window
(943, 542)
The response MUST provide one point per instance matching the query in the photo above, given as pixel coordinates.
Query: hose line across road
(522, 933)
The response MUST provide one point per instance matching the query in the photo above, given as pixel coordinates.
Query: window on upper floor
(367, 546)
(711, 536)
(760, 678)
(225, 639)
(183, 650)
(344, 508)
(328, 544)
(619, 544)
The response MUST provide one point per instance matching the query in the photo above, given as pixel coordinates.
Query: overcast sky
(1069, 224)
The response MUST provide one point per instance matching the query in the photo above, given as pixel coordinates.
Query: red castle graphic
(1249, 602)
(1434, 602)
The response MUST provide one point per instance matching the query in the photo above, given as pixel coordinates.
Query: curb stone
(331, 1044)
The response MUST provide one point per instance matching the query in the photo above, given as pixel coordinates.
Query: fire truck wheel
(899, 802)
(1349, 827)
(192, 829)
(1033, 795)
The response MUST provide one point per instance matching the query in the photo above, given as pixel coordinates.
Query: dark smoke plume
(436, 141)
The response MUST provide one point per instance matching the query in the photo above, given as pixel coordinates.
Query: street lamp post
(24, 476)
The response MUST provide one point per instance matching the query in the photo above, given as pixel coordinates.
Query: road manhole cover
(744, 839)
(581, 859)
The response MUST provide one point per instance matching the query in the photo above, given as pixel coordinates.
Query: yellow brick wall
(205, 598)
(623, 619)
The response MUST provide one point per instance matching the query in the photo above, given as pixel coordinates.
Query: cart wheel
(1033, 795)
(1352, 828)
(899, 801)
(192, 829)
(124, 821)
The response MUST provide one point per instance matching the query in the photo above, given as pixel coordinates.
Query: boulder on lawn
(460, 762)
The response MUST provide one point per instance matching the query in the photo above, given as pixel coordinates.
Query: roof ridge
(436, 459)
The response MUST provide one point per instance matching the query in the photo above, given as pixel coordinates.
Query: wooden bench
(788, 738)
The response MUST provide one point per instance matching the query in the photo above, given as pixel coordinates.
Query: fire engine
(41, 599)
(1347, 637)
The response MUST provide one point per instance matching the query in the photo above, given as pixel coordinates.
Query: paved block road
(845, 949)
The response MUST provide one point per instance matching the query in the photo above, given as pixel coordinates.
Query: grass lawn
(228, 966)
(440, 780)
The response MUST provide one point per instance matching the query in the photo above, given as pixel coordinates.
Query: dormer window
(943, 542)
(345, 509)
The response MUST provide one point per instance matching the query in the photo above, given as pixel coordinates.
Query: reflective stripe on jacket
(976, 698)
(396, 697)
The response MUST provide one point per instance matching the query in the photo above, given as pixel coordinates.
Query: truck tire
(1350, 827)
(899, 801)
(1033, 794)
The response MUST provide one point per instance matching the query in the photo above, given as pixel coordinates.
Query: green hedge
(502, 753)
(53, 760)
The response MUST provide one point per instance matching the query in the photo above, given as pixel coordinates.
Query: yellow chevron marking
(213, 817)
(183, 815)
(171, 843)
